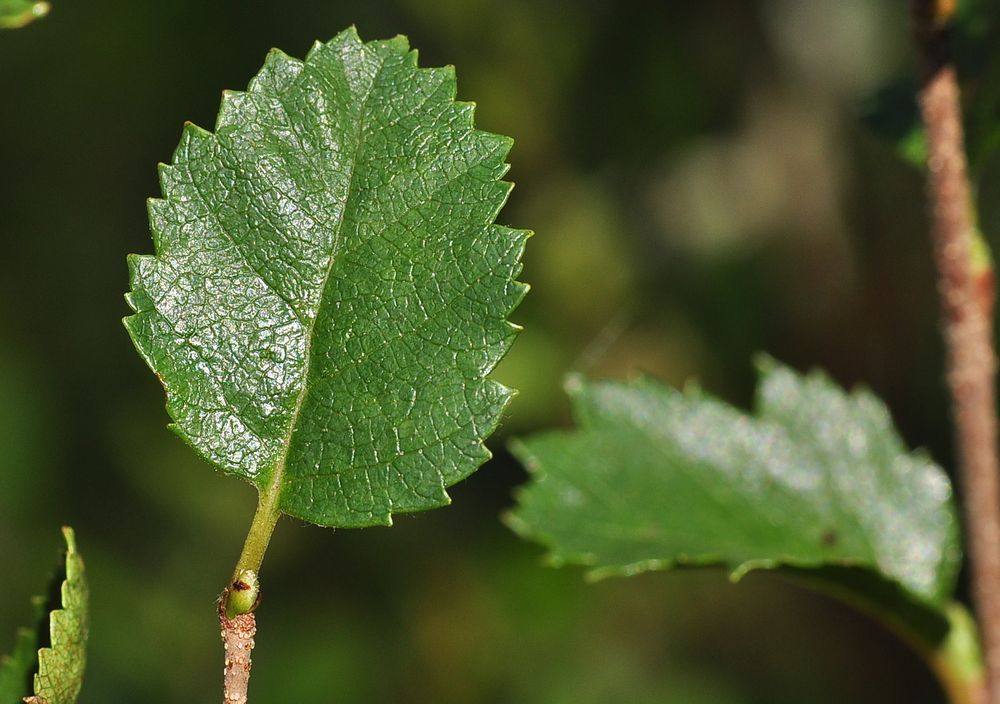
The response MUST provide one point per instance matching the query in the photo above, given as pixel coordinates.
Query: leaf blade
(364, 292)
(61, 664)
(50, 657)
(654, 478)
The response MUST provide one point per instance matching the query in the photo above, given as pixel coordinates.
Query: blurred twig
(965, 285)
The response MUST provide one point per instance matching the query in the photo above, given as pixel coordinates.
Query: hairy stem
(240, 598)
(965, 286)
(237, 639)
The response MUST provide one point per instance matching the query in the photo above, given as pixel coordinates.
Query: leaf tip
(351, 31)
(192, 131)
(764, 363)
(70, 537)
(510, 519)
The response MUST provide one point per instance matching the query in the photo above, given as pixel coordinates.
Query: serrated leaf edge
(270, 495)
(49, 617)
(72, 561)
(576, 385)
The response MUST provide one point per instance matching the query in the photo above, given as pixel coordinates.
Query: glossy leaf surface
(329, 290)
(654, 478)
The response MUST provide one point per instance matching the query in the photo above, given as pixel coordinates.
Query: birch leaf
(329, 291)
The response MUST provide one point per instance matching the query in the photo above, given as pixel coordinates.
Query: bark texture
(237, 639)
(966, 289)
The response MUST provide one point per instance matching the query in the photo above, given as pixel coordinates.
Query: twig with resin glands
(238, 632)
(965, 285)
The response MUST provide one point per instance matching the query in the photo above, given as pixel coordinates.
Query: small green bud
(243, 594)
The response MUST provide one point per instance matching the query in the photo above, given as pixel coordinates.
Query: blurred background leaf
(653, 478)
(15, 14)
(701, 187)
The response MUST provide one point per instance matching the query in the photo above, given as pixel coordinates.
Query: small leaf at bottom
(49, 658)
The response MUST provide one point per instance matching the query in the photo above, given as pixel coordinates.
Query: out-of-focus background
(702, 185)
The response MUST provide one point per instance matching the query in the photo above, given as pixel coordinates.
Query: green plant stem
(259, 534)
(944, 637)
(965, 286)
(236, 618)
(956, 660)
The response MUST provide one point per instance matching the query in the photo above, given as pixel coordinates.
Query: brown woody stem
(965, 286)
(237, 639)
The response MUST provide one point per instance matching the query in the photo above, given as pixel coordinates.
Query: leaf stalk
(257, 540)
(957, 661)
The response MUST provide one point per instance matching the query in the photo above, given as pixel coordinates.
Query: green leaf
(49, 658)
(329, 290)
(17, 669)
(654, 478)
(18, 13)
(62, 661)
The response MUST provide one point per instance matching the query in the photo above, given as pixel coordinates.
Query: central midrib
(270, 496)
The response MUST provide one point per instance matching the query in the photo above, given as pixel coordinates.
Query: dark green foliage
(329, 290)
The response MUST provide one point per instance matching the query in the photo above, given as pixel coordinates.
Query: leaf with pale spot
(653, 478)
